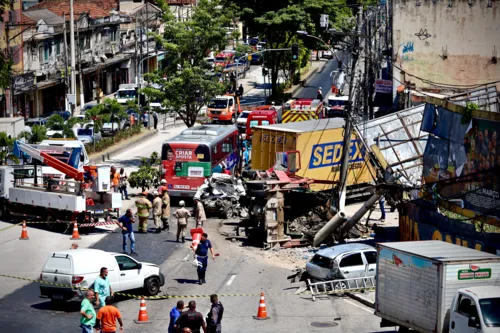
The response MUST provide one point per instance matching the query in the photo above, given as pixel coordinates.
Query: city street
(237, 270)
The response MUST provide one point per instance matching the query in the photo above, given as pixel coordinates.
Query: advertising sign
(330, 153)
(383, 86)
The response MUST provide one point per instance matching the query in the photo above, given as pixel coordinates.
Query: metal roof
(203, 134)
(485, 98)
(400, 141)
(334, 251)
(307, 126)
(439, 251)
(44, 14)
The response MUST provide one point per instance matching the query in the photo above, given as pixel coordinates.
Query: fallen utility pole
(329, 228)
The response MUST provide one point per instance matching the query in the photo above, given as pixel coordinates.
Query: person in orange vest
(115, 179)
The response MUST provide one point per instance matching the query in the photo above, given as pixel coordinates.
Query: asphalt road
(235, 271)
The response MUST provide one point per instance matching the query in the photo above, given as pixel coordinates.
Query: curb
(362, 300)
(107, 154)
(308, 75)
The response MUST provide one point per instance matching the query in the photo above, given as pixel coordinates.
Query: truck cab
(336, 106)
(259, 118)
(224, 109)
(476, 309)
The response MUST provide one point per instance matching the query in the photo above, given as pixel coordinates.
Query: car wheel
(152, 286)
(340, 286)
(233, 119)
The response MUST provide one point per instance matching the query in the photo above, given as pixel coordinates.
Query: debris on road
(220, 194)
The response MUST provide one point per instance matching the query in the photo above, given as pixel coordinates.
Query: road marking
(186, 258)
(359, 306)
(231, 279)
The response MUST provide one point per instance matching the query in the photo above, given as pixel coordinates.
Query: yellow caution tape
(188, 296)
(11, 226)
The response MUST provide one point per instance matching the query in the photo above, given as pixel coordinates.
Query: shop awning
(108, 62)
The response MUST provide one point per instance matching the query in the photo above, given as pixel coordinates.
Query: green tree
(57, 123)
(188, 86)
(37, 134)
(5, 61)
(6, 146)
(148, 174)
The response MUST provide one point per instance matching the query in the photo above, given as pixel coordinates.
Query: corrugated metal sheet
(307, 126)
(485, 98)
(400, 141)
(439, 251)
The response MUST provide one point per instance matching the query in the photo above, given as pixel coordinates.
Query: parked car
(110, 129)
(87, 135)
(87, 106)
(65, 114)
(80, 268)
(344, 261)
(327, 54)
(35, 121)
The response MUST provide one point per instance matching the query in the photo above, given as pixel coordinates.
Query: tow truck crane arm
(51, 161)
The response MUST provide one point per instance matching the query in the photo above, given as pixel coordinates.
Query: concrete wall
(449, 42)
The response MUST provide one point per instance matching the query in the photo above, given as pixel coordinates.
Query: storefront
(24, 95)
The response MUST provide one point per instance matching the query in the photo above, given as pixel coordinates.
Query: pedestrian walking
(201, 253)
(319, 94)
(157, 211)
(165, 211)
(175, 313)
(115, 179)
(155, 119)
(214, 317)
(102, 288)
(123, 183)
(240, 90)
(381, 205)
(125, 222)
(199, 212)
(143, 206)
(191, 319)
(107, 317)
(182, 215)
(88, 316)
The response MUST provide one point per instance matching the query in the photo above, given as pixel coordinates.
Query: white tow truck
(26, 192)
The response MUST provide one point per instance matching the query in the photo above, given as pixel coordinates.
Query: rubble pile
(296, 256)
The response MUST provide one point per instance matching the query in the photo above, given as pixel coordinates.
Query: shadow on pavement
(189, 281)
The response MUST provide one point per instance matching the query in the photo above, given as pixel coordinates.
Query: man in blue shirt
(174, 314)
(102, 288)
(125, 222)
(202, 256)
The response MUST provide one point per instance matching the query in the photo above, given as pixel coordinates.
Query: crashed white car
(221, 194)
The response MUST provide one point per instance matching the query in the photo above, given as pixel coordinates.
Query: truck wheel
(152, 286)
(49, 220)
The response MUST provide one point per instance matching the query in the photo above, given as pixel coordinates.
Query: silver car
(344, 261)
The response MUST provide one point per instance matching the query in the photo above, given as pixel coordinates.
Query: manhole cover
(324, 324)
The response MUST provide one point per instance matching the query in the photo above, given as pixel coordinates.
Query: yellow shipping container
(320, 145)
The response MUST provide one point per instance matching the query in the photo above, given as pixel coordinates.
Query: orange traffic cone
(24, 232)
(262, 312)
(76, 234)
(143, 313)
(196, 236)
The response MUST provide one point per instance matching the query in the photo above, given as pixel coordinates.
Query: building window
(58, 47)
(47, 52)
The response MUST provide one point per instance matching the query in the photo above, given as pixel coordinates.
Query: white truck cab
(476, 310)
(126, 93)
(79, 269)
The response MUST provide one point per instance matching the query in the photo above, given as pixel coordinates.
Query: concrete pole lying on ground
(359, 214)
(329, 228)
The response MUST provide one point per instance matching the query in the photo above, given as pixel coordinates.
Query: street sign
(383, 86)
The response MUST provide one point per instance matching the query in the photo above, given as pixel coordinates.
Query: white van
(79, 268)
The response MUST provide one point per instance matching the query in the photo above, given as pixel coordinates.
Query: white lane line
(359, 306)
(231, 279)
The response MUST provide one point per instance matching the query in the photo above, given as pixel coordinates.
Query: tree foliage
(6, 146)
(185, 85)
(148, 174)
(36, 134)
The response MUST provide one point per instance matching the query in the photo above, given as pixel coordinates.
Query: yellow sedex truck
(319, 143)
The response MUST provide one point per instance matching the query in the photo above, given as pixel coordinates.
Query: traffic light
(295, 51)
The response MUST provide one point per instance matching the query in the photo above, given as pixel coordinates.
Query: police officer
(182, 215)
(214, 317)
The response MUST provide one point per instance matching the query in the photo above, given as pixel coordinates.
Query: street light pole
(73, 55)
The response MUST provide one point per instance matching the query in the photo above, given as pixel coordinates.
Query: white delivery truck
(436, 287)
(126, 93)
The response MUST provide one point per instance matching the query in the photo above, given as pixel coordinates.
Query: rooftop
(34, 16)
(307, 126)
(96, 9)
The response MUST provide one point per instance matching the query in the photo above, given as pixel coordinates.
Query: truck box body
(320, 145)
(416, 281)
(12, 126)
